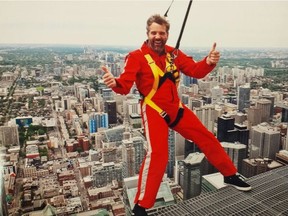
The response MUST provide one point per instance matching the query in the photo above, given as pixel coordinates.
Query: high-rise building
(111, 111)
(171, 153)
(105, 173)
(228, 131)
(206, 116)
(216, 94)
(272, 99)
(243, 97)
(265, 142)
(133, 153)
(225, 124)
(253, 116)
(188, 81)
(265, 109)
(96, 121)
(107, 94)
(109, 155)
(236, 152)
(192, 175)
(128, 158)
(284, 111)
(138, 143)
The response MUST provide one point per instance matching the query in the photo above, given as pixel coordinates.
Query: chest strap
(159, 74)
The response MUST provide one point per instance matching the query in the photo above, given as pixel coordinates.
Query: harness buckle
(163, 114)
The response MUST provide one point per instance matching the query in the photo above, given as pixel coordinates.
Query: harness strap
(157, 72)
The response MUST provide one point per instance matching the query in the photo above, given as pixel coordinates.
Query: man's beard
(157, 46)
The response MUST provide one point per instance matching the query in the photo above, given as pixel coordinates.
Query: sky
(229, 23)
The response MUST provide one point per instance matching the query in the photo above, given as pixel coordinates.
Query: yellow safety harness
(160, 77)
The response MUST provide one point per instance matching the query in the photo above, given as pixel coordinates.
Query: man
(155, 69)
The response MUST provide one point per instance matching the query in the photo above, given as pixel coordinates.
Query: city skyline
(122, 23)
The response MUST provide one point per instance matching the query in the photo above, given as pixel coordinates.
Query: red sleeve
(127, 78)
(192, 68)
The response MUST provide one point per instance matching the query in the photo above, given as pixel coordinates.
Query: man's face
(157, 37)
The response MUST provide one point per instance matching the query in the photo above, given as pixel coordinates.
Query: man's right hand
(108, 78)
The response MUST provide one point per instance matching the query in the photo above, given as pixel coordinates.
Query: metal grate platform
(269, 197)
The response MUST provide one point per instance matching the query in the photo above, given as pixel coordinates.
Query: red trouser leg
(154, 165)
(191, 128)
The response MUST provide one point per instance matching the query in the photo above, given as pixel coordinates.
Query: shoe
(237, 182)
(139, 211)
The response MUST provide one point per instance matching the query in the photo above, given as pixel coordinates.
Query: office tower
(109, 155)
(192, 175)
(228, 131)
(131, 106)
(243, 133)
(216, 94)
(225, 124)
(205, 86)
(240, 118)
(104, 173)
(265, 142)
(237, 152)
(284, 111)
(96, 121)
(265, 107)
(9, 136)
(140, 152)
(107, 94)
(128, 158)
(185, 98)
(272, 99)
(190, 147)
(253, 116)
(206, 116)
(188, 81)
(133, 153)
(243, 97)
(111, 111)
(171, 153)
(194, 103)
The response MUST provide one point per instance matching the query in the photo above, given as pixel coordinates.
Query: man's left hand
(213, 56)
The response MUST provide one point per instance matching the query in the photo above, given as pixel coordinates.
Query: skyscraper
(128, 158)
(96, 121)
(192, 175)
(265, 109)
(111, 111)
(206, 116)
(225, 124)
(236, 152)
(243, 97)
(254, 116)
(171, 153)
(265, 141)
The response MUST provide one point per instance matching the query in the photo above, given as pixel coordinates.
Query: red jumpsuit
(137, 70)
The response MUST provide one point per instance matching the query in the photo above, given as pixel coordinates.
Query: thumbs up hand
(108, 78)
(213, 56)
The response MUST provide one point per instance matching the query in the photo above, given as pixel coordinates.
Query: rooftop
(269, 197)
